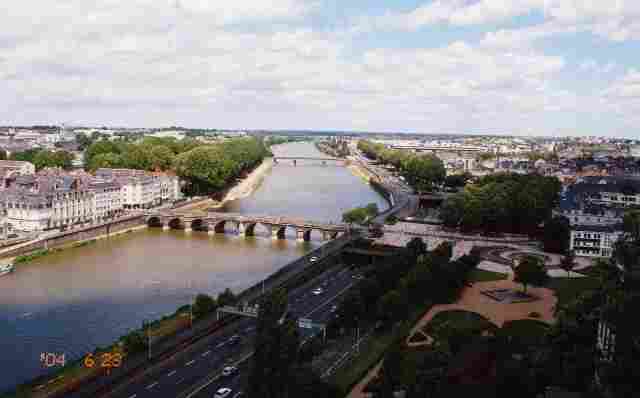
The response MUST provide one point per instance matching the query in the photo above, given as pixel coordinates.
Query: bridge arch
(176, 223)
(218, 226)
(199, 225)
(154, 221)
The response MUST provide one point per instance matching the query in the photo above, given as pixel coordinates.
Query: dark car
(234, 340)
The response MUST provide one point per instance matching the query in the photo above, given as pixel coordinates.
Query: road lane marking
(204, 354)
(172, 373)
(150, 386)
(221, 344)
(329, 300)
(190, 362)
(217, 377)
(133, 396)
(180, 381)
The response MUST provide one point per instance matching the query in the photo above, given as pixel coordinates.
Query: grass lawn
(456, 320)
(480, 275)
(567, 289)
(371, 352)
(527, 331)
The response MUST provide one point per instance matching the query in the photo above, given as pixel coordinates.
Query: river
(72, 301)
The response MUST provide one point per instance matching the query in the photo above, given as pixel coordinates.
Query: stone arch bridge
(245, 225)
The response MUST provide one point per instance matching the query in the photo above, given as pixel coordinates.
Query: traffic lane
(320, 310)
(235, 383)
(184, 373)
(167, 379)
(194, 367)
(308, 301)
(192, 363)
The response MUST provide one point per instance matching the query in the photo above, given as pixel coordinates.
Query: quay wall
(68, 237)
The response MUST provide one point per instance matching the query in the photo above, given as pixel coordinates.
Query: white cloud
(617, 20)
(200, 64)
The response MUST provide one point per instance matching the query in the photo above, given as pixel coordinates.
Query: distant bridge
(245, 225)
(324, 160)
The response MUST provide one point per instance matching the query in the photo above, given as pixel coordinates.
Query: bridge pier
(241, 228)
(165, 227)
(300, 235)
(211, 232)
(188, 230)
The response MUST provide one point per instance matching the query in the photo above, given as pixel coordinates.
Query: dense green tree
(568, 263)
(276, 351)
(530, 271)
(355, 216)
(226, 297)
(3, 154)
(503, 203)
(45, 159)
(203, 305)
(162, 157)
(457, 180)
(106, 160)
(25, 156)
(100, 147)
(416, 247)
(423, 172)
(392, 306)
(556, 236)
(631, 224)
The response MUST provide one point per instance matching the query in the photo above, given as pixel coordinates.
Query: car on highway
(358, 277)
(234, 340)
(229, 371)
(317, 291)
(223, 392)
(334, 308)
(313, 259)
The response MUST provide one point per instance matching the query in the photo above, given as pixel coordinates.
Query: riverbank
(241, 190)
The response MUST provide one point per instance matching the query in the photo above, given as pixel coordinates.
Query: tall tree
(276, 350)
(530, 271)
(556, 235)
(568, 262)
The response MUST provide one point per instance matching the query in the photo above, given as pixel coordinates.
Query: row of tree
(391, 290)
(137, 340)
(44, 158)
(424, 173)
(207, 169)
(360, 215)
(503, 202)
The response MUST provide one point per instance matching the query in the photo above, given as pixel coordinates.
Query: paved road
(320, 312)
(199, 365)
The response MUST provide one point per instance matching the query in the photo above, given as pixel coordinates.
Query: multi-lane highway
(195, 371)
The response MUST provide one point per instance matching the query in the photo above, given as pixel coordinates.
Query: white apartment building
(140, 189)
(140, 192)
(107, 200)
(594, 240)
(37, 203)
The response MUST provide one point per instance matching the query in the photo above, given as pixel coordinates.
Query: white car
(317, 292)
(229, 371)
(313, 259)
(222, 393)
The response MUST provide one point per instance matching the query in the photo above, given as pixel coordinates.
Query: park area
(477, 313)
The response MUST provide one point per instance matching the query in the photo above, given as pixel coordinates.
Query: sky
(521, 67)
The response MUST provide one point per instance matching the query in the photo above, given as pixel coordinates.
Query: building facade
(594, 240)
